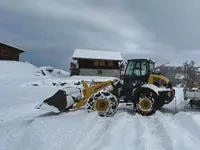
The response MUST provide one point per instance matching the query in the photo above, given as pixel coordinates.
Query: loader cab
(137, 72)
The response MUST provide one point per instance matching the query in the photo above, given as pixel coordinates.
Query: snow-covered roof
(97, 54)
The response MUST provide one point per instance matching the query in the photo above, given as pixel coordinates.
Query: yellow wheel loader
(141, 86)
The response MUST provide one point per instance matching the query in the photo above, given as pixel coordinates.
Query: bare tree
(191, 77)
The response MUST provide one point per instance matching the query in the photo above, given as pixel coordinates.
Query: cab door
(136, 73)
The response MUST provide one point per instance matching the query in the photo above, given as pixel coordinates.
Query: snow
(16, 69)
(51, 71)
(179, 62)
(155, 88)
(23, 127)
(179, 76)
(175, 63)
(97, 54)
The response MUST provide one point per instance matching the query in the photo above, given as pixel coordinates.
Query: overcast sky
(50, 30)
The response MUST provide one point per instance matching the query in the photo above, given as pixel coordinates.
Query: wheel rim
(101, 105)
(145, 105)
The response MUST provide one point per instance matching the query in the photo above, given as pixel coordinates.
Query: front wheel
(105, 103)
(146, 105)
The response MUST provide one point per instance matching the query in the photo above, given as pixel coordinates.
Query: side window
(143, 68)
(137, 69)
(151, 67)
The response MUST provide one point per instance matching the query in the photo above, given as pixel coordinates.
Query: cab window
(133, 69)
(151, 66)
(143, 68)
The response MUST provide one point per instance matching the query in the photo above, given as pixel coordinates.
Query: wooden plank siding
(9, 53)
(97, 64)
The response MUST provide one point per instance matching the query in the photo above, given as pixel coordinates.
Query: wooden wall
(9, 53)
(97, 64)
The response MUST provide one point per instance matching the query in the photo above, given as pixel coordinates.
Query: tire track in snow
(125, 131)
(181, 137)
(187, 121)
(155, 136)
(111, 139)
(93, 131)
(124, 134)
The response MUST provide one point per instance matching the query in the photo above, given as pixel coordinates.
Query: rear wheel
(103, 102)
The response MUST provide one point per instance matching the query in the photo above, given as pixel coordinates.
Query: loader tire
(105, 103)
(147, 102)
(146, 106)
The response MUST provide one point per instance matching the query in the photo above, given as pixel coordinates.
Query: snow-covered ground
(22, 127)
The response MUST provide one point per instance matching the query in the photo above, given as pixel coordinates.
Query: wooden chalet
(96, 63)
(8, 52)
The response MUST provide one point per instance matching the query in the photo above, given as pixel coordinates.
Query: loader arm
(90, 90)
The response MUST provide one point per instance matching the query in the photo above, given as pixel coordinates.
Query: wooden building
(96, 63)
(9, 52)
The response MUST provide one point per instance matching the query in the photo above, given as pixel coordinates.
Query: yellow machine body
(90, 90)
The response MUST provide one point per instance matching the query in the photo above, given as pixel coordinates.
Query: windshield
(135, 69)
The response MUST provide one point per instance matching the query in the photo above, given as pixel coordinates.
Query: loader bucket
(56, 103)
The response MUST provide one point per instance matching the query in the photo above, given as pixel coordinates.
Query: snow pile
(16, 69)
(73, 81)
(92, 78)
(26, 69)
(179, 76)
(53, 82)
(52, 72)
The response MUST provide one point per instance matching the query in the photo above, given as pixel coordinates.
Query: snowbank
(90, 78)
(53, 82)
(70, 81)
(16, 69)
(52, 72)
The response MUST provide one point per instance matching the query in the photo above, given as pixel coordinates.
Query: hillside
(17, 69)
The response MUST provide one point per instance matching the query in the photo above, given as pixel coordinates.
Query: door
(136, 73)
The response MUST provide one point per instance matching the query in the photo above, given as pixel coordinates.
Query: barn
(96, 63)
(8, 52)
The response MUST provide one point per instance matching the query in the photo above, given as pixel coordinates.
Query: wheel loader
(140, 86)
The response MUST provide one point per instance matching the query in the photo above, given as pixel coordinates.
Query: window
(4, 53)
(96, 63)
(136, 68)
(102, 63)
(151, 66)
(110, 63)
(99, 71)
(143, 68)
(133, 68)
